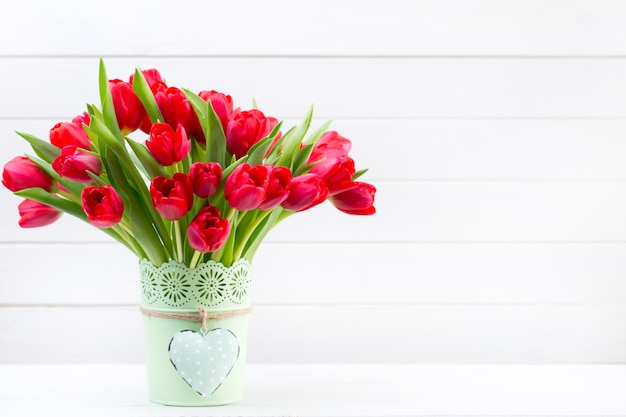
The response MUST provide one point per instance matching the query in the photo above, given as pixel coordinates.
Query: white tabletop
(329, 390)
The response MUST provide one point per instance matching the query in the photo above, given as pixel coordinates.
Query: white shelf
(329, 390)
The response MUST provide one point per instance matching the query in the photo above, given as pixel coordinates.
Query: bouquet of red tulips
(209, 182)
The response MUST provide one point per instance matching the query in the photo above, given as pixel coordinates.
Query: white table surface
(329, 390)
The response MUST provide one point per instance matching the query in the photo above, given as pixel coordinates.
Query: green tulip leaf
(108, 110)
(293, 139)
(152, 166)
(315, 136)
(211, 127)
(258, 151)
(42, 196)
(144, 231)
(93, 110)
(143, 91)
(43, 149)
(301, 159)
(146, 235)
(359, 173)
(117, 176)
(98, 180)
(134, 177)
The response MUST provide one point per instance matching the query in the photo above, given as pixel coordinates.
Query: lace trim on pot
(210, 284)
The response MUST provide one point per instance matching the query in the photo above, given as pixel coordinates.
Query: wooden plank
(361, 88)
(452, 149)
(424, 211)
(331, 28)
(340, 390)
(302, 274)
(340, 334)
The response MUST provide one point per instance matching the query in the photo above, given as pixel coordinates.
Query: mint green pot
(173, 288)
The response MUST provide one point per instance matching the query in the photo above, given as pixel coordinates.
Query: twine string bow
(202, 317)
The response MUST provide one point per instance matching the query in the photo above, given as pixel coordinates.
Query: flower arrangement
(208, 183)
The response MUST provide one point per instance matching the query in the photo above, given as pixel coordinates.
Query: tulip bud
(166, 145)
(247, 128)
(223, 107)
(245, 187)
(21, 173)
(65, 134)
(208, 231)
(172, 197)
(330, 145)
(103, 205)
(205, 177)
(175, 107)
(306, 191)
(35, 214)
(74, 164)
(82, 119)
(277, 189)
(129, 110)
(336, 172)
(357, 200)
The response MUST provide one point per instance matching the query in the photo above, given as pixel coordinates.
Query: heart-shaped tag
(204, 359)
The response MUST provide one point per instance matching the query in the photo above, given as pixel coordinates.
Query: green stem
(194, 260)
(179, 241)
(250, 230)
(70, 196)
(231, 213)
(125, 227)
(224, 254)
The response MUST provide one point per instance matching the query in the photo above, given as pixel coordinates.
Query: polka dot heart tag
(204, 359)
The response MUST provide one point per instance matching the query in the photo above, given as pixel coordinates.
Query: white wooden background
(495, 132)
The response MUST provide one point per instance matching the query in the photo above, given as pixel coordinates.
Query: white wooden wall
(495, 132)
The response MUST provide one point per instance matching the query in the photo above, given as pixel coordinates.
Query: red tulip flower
(277, 189)
(166, 145)
(129, 110)
(223, 107)
(73, 163)
(336, 172)
(306, 191)
(21, 173)
(82, 119)
(208, 231)
(103, 205)
(35, 214)
(175, 107)
(330, 145)
(357, 200)
(247, 128)
(151, 75)
(205, 177)
(245, 187)
(65, 134)
(172, 197)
